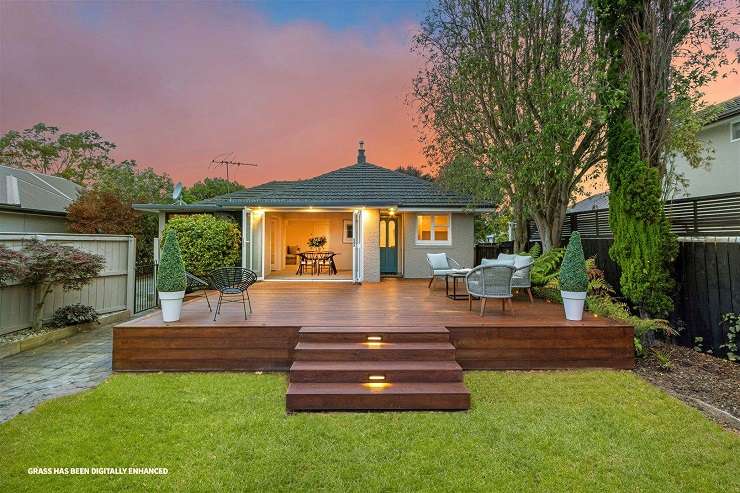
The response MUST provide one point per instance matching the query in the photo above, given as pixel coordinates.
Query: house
(33, 202)
(377, 221)
(722, 134)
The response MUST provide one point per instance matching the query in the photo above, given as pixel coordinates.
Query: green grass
(557, 431)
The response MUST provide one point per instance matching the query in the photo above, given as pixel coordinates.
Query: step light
(376, 378)
(374, 338)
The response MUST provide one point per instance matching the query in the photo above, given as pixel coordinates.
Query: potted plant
(317, 242)
(573, 278)
(171, 280)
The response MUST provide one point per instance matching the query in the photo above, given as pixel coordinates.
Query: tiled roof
(598, 201)
(358, 184)
(730, 108)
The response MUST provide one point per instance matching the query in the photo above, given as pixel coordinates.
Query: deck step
(384, 351)
(445, 396)
(360, 371)
(387, 334)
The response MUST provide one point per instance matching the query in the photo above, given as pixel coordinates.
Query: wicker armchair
(232, 283)
(490, 281)
(522, 266)
(195, 283)
(441, 264)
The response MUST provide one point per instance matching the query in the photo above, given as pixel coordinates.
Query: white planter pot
(171, 302)
(573, 304)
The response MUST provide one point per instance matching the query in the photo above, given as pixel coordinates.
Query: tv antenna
(226, 163)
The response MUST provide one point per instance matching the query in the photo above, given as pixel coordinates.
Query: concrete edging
(33, 342)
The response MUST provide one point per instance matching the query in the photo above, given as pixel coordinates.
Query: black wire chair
(232, 283)
(195, 283)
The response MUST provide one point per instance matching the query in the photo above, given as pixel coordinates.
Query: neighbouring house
(33, 202)
(722, 134)
(379, 222)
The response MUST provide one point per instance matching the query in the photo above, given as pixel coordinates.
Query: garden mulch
(701, 380)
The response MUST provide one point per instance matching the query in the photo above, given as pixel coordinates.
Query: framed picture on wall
(347, 231)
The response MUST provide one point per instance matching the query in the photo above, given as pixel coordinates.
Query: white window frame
(446, 242)
(734, 122)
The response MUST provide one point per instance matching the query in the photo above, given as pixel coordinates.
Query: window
(735, 131)
(348, 234)
(433, 229)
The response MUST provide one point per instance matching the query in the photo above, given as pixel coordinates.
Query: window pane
(391, 234)
(441, 233)
(382, 234)
(441, 220)
(736, 131)
(424, 225)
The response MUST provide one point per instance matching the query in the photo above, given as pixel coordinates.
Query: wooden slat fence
(111, 291)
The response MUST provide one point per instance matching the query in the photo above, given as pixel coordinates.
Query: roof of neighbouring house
(27, 191)
(729, 108)
(359, 184)
(598, 201)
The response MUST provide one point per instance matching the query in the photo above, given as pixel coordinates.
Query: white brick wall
(371, 244)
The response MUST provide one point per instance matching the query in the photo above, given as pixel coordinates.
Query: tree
(41, 148)
(512, 86)
(11, 265)
(122, 185)
(416, 172)
(206, 242)
(171, 274)
(659, 55)
(209, 188)
(96, 212)
(47, 265)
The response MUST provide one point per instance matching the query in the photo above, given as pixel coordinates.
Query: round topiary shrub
(171, 274)
(573, 275)
(206, 242)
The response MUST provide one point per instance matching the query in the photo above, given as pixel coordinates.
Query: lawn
(547, 431)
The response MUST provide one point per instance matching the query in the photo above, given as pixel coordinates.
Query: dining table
(317, 260)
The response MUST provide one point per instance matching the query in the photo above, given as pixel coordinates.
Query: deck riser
(313, 376)
(409, 402)
(362, 337)
(374, 354)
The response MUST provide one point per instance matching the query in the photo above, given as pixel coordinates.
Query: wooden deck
(320, 333)
(533, 336)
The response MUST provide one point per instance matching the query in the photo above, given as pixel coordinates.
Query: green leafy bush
(573, 269)
(73, 315)
(206, 242)
(171, 274)
(546, 267)
(731, 323)
(535, 251)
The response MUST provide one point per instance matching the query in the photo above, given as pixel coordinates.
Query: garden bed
(701, 380)
(26, 339)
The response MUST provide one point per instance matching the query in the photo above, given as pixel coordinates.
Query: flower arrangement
(317, 242)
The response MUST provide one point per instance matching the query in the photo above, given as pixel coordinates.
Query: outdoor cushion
(522, 261)
(496, 261)
(507, 256)
(231, 291)
(438, 261)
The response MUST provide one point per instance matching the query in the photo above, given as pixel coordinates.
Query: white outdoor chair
(441, 264)
(492, 280)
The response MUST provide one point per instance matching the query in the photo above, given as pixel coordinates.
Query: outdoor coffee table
(455, 275)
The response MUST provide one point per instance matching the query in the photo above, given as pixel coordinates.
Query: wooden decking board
(535, 336)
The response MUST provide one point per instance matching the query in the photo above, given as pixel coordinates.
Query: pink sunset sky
(175, 84)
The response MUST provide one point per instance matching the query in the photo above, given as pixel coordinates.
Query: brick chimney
(361, 153)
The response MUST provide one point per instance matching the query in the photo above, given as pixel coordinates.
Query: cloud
(174, 85)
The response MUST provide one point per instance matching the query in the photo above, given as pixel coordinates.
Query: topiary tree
(48, 265)
(206, 242)
(171, 273)
(573, 275)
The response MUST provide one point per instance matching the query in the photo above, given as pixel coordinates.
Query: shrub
(171, 275)
(546, 266)
(12, 265)
(535, 251)
(74, 315)
(206, 242)
(48, 265)
(573, 275)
